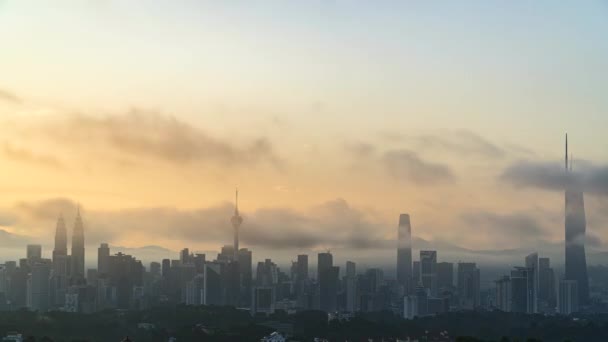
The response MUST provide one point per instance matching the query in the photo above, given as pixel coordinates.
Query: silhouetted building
(350, 287)
(61, 266)
(263, 299)
(522, 284)
(503, 294)
(124, 273)
(533, 267)
(575, 228)
(568, 297)
(246, 276)
(34, 253)
(428, 271)
(468, 285)
(416, 272)
(445, 275)
(236, 221)
(404, 252)
(77, 273)
(328, 282)
(38, 286)
(546, 288)
(103, 259)
(212, 292)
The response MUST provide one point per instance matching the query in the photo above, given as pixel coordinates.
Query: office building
(468, 285)
(568, 297)
(77, 273)
(428, 271)
(575, 230)
(404, 252)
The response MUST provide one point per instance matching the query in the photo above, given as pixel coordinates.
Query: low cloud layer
(24, 155)
(551, 176)
(138, 135)
(334, 224)
(8, 96)
(405, 164)
(514, 229)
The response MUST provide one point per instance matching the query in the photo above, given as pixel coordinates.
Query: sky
(331, 117)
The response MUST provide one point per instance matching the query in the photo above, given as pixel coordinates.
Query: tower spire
(236, 203)
(566, 162)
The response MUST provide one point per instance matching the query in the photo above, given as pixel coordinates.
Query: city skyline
(327, 127)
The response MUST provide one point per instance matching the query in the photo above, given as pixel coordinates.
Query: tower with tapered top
(78, 248)
(236, 220)
(575, 227)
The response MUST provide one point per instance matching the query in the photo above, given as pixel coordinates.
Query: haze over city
(331, 118)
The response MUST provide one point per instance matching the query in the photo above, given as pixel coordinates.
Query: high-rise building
(351, 269)
(350, 286)
(78, 249)
(416, 272)
(155, 268)
(522, 284)
(103, 259)
(546, 288)
(34, 253)
(302, 269)
(468, 285)
(404, 252)
(125, 273)
(428, 271)
(212, 291)
(245, 264)
(61, 239)
(503, 294)
(445, 275)
(236, 221)
(532, 265)
(38, 286)
(328, 282)
(184, 256)
(575, 228)
(568, 297)
(410, 306)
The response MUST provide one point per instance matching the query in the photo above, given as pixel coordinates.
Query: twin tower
(64, 264)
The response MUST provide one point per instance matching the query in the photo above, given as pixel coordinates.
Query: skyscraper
(568, 297)
(404, 252)
(532, 265)
(328, 282)
(468, 285)
(236, 221)
(445, 275)
(428, 271)
(546, 286)
(575, 227)
(60, 251)
(78, 249)
(34, 253)
(103, 259)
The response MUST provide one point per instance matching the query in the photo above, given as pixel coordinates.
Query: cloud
(515, 229)
(360, 149)
(26, 156)
(551, 176)
(407, 165)
(334, 224)
(460, 142)
(143, 134)
(10, 97)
